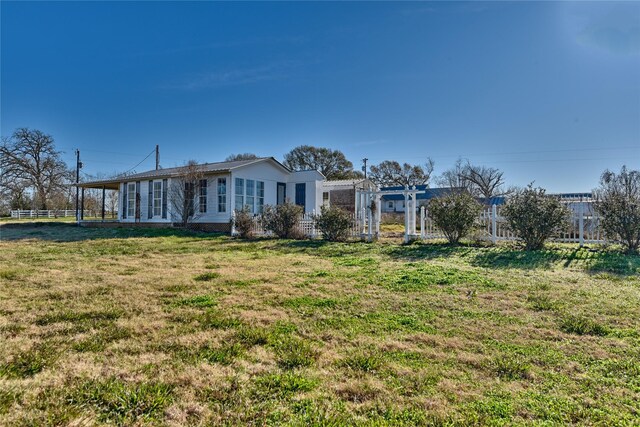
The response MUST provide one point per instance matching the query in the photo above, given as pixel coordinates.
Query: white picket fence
(57, 213)
(584, 228)
(306, 224)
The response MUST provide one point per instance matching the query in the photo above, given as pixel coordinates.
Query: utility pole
(78, 166)
(364, 167)
(157, 157)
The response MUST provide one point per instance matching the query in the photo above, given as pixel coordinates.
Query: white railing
(584, 227)
(306, 225)
(56, 213)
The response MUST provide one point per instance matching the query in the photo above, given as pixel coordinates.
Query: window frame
(222, 196)
(202, 195)
(131, 199)
(157, 198)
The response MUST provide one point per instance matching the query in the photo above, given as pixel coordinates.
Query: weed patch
(293, 353)
(582, 325)
(199, 301)
(417, 277)
(122, 403)
(30, 362)
(206, 277)
(282, 385)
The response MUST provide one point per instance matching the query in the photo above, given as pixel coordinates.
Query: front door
(282, 193)
(301, 194)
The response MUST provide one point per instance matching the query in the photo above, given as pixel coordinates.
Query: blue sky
(547, 92)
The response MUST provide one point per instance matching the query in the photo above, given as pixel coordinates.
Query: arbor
(331, 163)
(455, 214)
(29, 156)
(534, 217)
(182, 194)
(390, 173)
(618, 203)
(240, 156)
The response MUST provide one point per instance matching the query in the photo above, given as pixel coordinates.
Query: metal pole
(82, 205)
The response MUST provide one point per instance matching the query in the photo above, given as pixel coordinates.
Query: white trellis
(368, 222)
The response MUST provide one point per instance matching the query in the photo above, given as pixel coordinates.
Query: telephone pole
(364, 167)
(157, 157)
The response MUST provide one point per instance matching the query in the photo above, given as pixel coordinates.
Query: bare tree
(182, 194)
(390, 173)
(240, 156)
(453, 178)
(485, 182)
(30, 156)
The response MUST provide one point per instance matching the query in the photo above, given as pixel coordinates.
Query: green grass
(169, 327)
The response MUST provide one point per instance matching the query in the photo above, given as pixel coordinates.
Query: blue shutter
(150, 202)
(124, 201)
(164, 198)
(301, 194)
(138, 207)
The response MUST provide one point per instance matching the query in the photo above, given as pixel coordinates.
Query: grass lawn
(162, 327)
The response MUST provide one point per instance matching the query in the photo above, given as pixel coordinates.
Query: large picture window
(239, 194)
(222, 194)
(259, 196)
(157, 198)
(251, 192)
(203, 196)
(131, 199)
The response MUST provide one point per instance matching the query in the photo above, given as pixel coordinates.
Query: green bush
(282, 220)
(534, 216)
(243, 223)
(334, 223)
(618, 203)
(455, 214)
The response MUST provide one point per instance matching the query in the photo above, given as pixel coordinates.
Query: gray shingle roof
(177, 171)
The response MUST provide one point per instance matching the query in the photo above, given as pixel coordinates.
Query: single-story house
(222, 188)
(395, 202)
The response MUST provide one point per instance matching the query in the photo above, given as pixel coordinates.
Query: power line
(127, 171)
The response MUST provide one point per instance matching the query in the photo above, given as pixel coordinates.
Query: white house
(224, 187)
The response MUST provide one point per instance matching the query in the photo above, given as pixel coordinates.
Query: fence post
(494, 224)
(233, 223)
(422, 222)
(581, 223)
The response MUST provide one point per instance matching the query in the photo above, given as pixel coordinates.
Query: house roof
(429, 193)
(216, 167)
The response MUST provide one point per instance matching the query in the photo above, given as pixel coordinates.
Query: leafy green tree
(391, 173)
(331, 163)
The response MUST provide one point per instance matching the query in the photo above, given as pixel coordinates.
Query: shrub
(243, 223)
(618, 203)
(334, 223)
(282, 220)
(534, 216)
(455, 214)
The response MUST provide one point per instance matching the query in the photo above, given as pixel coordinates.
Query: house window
(390, 205)
(251, 192)
(157, 198)
(325, 198)
(222, 194)
(131, 199)
(203, 196)
(260, 196)
(239, 194)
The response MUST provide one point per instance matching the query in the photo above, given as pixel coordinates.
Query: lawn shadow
(421, 251)
(614, 262)
(515, 258)
(69, 232)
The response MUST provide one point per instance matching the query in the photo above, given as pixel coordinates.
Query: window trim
(222, 197)
(157, 198)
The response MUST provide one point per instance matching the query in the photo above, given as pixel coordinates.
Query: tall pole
(157, 157)
(77, 187)
(364, 167)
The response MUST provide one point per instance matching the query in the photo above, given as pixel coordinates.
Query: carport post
(103, 194)
(82, 204)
